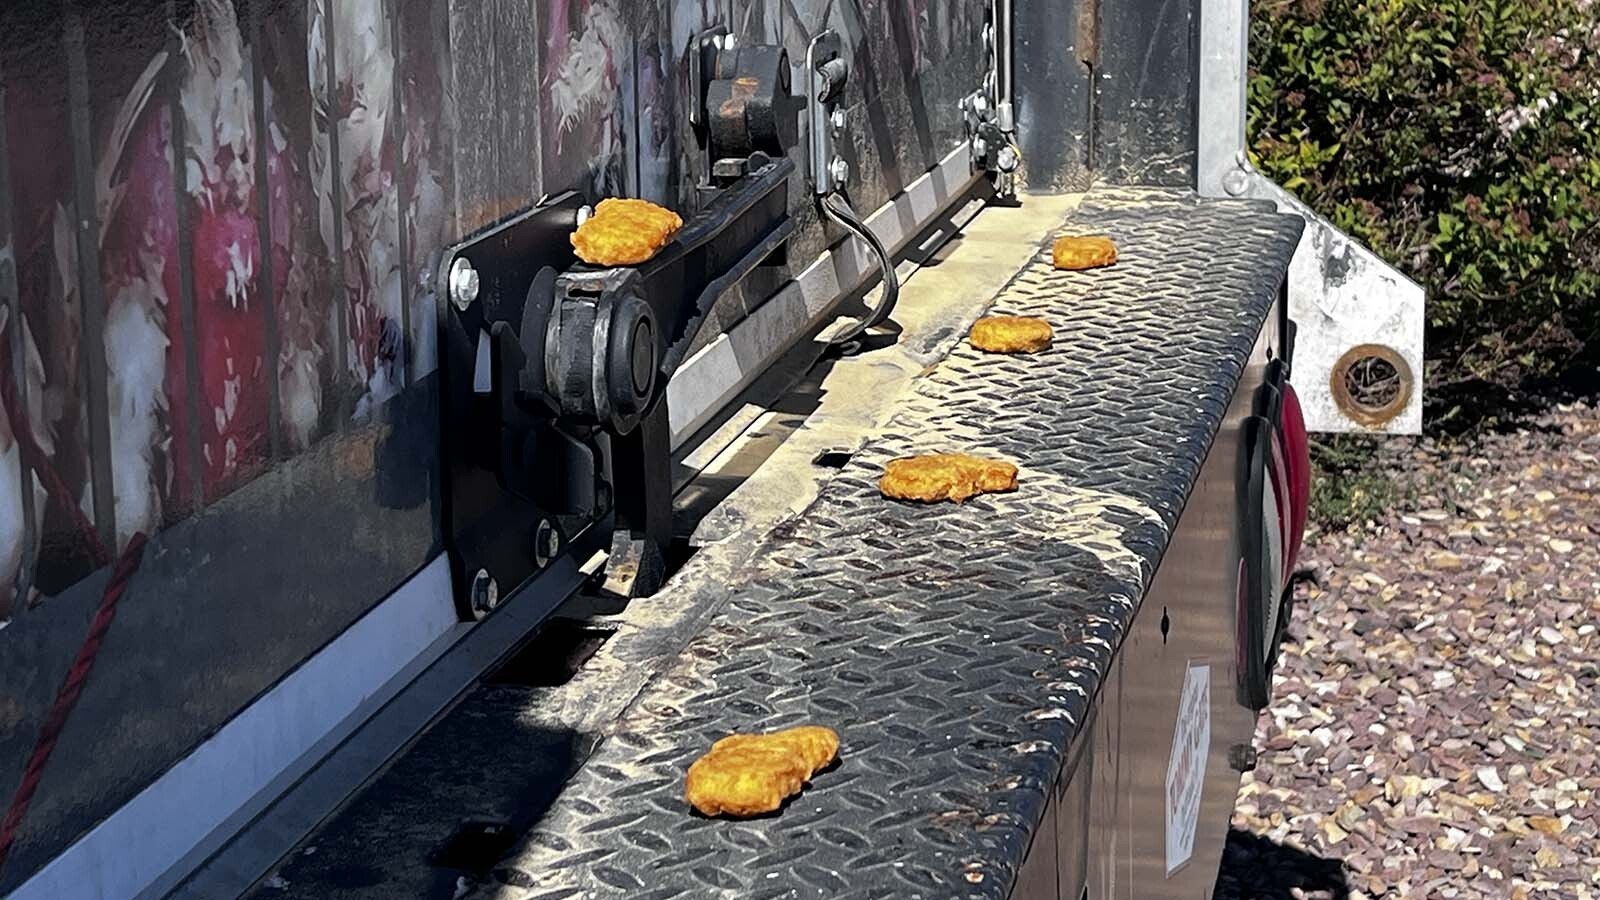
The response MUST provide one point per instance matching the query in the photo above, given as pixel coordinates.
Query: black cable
(838, 209)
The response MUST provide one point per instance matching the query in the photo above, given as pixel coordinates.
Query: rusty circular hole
(1371, 384)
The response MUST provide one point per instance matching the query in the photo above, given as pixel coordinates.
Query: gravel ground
(1434, 727)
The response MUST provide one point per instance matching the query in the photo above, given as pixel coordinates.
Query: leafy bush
(1349, 488)
(1459, 139)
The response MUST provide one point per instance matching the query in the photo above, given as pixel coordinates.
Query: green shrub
(1459, 139)
(1350, 487)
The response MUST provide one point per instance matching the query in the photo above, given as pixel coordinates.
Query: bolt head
(1006, 160)
(463, 283)
(1235, 183)
(546, 543)
(839, 171)
(485, 593)
(585, 213)
(836, 119)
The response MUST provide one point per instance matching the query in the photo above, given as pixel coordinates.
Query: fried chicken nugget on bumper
(813, 743)
(624, 232)
(751, 774)
(1074, 252)
(945, 476)
(1011, 334)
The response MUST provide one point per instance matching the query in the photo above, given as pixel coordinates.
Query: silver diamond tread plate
(955, 648)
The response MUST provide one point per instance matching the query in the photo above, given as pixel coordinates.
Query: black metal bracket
(613, 338)
(519, 489)
(555, 373)
(745, 105)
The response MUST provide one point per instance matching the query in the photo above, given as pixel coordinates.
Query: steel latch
(829, 72)
(987, 112)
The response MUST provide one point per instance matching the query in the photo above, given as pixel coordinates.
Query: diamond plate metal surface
(954, 648)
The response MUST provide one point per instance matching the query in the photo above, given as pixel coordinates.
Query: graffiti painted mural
(585, 58)
(301, 277)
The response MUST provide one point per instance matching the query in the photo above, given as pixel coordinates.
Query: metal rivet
(546, 543)
(485, 593)
(463, 283)
(1235, 182)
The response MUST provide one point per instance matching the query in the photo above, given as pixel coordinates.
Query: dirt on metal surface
(1434, 727)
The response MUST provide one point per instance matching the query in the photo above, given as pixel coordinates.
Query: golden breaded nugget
(1011, 334)
(945, 476)
(751, 774)
(814, 743)
(624, 232)
(1083, 252)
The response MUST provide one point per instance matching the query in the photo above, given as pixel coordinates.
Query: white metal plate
(1341, 295)
(1186, 767)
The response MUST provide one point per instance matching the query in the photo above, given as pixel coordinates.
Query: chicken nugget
(751, 774)
(1083, 252)
(624, 232)
(945, 476)
(1010, 334)
(816, 744)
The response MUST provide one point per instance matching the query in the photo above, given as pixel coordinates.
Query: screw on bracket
(546, 543)
(463, 283)
(485, 593)
(839, 171)
(1007, 159)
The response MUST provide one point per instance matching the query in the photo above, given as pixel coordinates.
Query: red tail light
(1297, 462)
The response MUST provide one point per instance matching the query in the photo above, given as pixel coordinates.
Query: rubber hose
(838, 209)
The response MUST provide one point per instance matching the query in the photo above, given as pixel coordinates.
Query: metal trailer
(357, 541)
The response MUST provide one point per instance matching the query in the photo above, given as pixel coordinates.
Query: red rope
(36, 459)
(83, 663)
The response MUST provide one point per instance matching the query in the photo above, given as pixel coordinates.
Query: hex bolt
(1235, 182)
(585, 213)
(463, 283)
(485, 593)
(836, 119)
(1006, 160)
(546, 543)
(839, 171)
